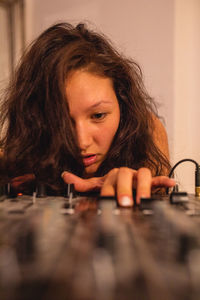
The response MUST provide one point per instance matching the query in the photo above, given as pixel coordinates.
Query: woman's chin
(90, 171)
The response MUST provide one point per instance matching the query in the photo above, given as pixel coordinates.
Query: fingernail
(63, 173)
(126, 201)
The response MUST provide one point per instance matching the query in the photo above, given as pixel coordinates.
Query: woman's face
(95, 112)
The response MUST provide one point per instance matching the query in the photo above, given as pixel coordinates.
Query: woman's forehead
(86, 91)
(86, 84)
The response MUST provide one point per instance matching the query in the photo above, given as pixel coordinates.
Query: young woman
(77, 112)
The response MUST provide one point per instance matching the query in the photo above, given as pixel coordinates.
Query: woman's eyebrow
(100, 102)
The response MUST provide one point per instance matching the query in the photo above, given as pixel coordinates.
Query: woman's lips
(89, 159)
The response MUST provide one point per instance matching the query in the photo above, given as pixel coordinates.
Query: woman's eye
(99, 116)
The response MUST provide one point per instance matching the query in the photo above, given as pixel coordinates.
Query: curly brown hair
(39, 135)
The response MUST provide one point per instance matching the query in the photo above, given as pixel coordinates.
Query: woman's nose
(84, 136)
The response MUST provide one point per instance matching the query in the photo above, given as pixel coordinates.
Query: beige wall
(10, 52)
(4, 48)
(186, 108)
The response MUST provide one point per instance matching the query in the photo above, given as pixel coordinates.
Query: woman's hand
(120, 182)
(18, 182)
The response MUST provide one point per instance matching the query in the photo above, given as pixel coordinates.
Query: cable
(197, 174)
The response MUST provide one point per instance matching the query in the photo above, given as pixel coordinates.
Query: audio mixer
(85, 247)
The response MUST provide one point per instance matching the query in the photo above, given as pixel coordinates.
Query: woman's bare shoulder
(160, 136)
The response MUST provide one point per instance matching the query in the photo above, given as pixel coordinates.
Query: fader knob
(10, 191)
(41, 190)
(25, 244)
(70, 191)
(2, 192)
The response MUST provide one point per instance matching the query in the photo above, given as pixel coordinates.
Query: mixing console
(88, 248)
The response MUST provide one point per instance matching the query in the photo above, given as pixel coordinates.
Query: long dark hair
(39, 136)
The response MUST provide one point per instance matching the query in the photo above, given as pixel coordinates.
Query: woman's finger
(163, 181)
(83, 185)
(120, 182)
(125, 180)
(109, 185)
(17, 181)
